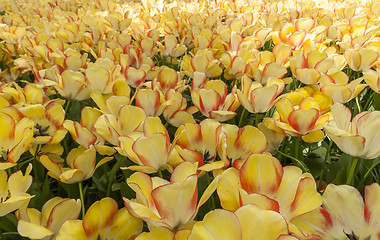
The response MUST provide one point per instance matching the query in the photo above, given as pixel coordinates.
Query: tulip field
(181, 119)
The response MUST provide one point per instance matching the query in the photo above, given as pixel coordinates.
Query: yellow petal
(261, 174)
(32, 231)
(255, 223)
(217, 224)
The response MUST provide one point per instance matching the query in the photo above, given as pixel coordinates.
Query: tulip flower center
(3, 155)
(207, 157)
(351, 236)
(40, 130)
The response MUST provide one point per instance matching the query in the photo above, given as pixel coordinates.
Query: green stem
(361, 183)
(212, 196)
(81, 198)
(358, 104)
(256, 119)
(321, 175)
(304, 168)
(296, 147)
(352, 170)
(242, 116)
(67, 107)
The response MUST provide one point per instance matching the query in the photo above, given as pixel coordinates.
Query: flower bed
(189, 119)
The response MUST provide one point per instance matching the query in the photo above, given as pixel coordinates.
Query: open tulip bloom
(190, 120)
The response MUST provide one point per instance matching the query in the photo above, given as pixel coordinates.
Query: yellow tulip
(46, 224)
(13, 190)
(161, 203)
(151, 101)
(362, 59)
(213, 101)
(81, 165)
(48, 122)
(356, 138)
(263, 182)
(203, 62)
(247, 222)
(16, 137)
(150, 148)
(257, 98)
(176, 114)
(199, 143)
(103, 220)
(344, 214)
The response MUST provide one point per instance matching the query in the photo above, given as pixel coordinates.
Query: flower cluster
(183, 120)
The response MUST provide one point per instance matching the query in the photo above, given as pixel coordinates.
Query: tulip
(48, 122)
(255, 97)
(171, 48)
(362, 59)
(247, 222)
(15, 138)
(81, 165)
(263, 182)
(238, 144)
(199, 143)
(176, 114)
(103, 220)
(161, 203)
(213, 101)
(203, 62)
(304, 114)
(344, 214)
(13, 190)
(162, 233)
(150, 149)
(152, 102)
(356, 138)
(308, 68)
(128, 120)
(372, 78)
(335, 85)
(46, 224)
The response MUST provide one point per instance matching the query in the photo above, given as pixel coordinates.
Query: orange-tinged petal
(371, 206)
(368, 58)
(342, 116)
(345, 205)
(152, 150)
(130, 118)
(255, 223)
(306, 199)
(259, 200)
(148, 215)
(99, 215)
(338, 93)
(176, 203)
(263, 98)
(261, 174)
(141, 183)
(303, 120)
(183, 171)
(284, 108)
(273, 69)
(218, 224)
(250, 140)
(7, 133)
(68, 209)
(282, 53)
(53, 168)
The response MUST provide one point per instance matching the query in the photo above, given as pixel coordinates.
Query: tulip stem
(361, 183)
(242, 116)
(303, 166)
(256, 119)
(67, 108)
(352, 170)
(358, 104)
(114, 170)
(321, 175)
(81, 198)
(212, 196)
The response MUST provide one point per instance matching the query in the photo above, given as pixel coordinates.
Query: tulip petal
(303, 120)
(218, 224)
(261, 174)
(255, 223)
(32, 231)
